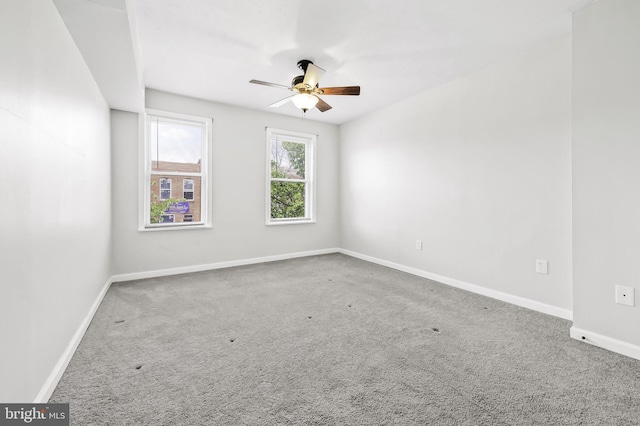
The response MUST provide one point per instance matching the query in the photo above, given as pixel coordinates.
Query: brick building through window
(185, 189)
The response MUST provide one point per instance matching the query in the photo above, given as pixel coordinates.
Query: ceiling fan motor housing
(303, 64)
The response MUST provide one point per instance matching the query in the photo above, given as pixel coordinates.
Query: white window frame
(193, 189)
(145, 172)
(160, 189)
(309, 140)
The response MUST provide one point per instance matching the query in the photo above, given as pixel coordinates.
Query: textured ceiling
(210, 49)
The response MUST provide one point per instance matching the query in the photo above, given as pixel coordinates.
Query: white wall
(606, 167)
(479, 170)
(238, 191)
(55, 220)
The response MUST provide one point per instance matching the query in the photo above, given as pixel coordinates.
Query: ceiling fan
(307, 90)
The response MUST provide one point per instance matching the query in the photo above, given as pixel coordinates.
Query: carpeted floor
(333, 340)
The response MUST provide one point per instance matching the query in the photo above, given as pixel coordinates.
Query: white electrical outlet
(542, 266)
(418, 244)
(625, 295)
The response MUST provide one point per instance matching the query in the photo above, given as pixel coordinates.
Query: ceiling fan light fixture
(304, 101)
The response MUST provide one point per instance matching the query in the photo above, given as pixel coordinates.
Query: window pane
(175, 146)
(187, 189)
(287, 200)
(167, 218)
(184, 206)
(287, 159)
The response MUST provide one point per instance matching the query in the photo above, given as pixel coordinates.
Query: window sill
(174, 228)
(290, 222)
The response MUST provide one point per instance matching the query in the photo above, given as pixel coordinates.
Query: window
(165, 188)
(290, 172)
(187, 189)
(175, 158)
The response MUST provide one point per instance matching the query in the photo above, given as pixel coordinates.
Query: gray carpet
(334, 340)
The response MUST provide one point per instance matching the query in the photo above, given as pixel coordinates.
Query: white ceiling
(210, 49)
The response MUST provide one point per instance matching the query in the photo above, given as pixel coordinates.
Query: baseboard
(494, 294)
(218, 265)
(52, 381)
(605, 342)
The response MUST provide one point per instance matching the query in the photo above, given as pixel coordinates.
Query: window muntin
(175, 170)
(290, 191)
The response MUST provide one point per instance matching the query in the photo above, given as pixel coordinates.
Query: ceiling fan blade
(280, 102)
(346, 90)
(322, 105)
(312, 75)
(264, 83)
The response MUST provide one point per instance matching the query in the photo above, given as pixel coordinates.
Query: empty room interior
(341, 212)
